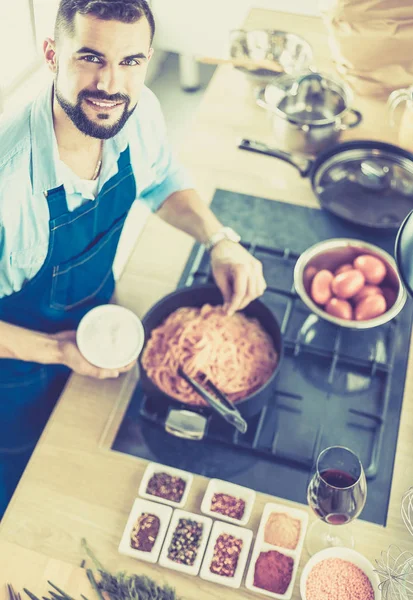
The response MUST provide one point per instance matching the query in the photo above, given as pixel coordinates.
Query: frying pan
(198, 296)
(364, 182)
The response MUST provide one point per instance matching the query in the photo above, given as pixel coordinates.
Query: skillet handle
(303, 165)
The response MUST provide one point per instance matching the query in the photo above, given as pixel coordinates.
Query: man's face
(100, 73)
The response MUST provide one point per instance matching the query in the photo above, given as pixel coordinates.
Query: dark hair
(126, 11)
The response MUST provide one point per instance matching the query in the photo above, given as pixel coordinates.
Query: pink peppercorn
(338, 579)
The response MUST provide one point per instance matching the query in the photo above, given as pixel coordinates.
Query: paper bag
(371, 43)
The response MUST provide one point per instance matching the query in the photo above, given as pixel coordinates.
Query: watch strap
(226, 233)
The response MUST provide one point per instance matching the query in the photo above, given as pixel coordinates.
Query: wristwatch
(226, 233)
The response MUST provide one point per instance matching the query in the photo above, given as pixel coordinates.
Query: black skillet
(365, 182)
(198, 296)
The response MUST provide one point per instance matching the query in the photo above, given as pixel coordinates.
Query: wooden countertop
(74, 486)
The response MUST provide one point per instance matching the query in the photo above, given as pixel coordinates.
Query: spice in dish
(185, 542)
(282, 530)
(144, 532)
(166, 486)
(228, 505)
(273, 572)
(226, 554)
(338, 579)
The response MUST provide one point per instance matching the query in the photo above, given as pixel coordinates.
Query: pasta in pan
(234, 353)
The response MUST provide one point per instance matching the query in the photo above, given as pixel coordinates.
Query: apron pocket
(87, 276)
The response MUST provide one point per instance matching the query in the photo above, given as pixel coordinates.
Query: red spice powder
(273, 571)
(338, 579)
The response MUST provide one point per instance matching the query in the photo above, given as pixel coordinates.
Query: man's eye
(132, 62)
(90, 58)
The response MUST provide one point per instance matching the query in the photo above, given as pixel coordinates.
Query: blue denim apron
(75, 277)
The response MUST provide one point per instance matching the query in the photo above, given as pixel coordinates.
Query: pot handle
(395, 98)
(303, 165)
(358, 117)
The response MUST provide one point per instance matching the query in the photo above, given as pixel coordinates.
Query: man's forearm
(25, 344)
(187, 211)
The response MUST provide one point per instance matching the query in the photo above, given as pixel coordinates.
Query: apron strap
(124, 158)
(56, 199)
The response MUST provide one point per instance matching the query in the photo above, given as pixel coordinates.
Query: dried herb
(117, 587)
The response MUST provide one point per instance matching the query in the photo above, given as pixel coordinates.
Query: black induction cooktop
(335, 386)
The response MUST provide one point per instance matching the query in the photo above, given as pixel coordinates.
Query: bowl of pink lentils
(339, 574)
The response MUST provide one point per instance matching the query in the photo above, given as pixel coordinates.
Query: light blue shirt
(30, 167)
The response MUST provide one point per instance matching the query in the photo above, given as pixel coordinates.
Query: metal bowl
(288, 50)
(333, 253)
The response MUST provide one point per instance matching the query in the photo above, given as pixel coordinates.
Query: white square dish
(218, 486)
(249, 580)
(193, 569)
(154, 468)
(145, 506)
(294, 513)
(218, 529)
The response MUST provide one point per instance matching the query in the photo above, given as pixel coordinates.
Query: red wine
(337, 478)
(336, 496)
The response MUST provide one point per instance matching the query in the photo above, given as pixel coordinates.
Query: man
(71, 165)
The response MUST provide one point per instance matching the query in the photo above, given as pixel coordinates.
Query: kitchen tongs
(220, 404)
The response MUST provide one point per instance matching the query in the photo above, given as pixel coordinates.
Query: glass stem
(329, 535)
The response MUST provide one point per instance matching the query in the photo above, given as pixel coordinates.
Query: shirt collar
(45, 153)
(44, 145)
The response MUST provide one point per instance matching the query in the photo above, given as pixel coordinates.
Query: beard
(79, 118)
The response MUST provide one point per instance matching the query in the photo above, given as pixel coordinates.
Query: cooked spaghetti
(234, 353)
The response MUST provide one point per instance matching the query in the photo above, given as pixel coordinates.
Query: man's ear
(49, 51)
(150, 54)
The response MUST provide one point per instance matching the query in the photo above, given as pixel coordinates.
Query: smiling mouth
(102, 104)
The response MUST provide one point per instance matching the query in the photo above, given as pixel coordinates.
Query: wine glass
(337, 494)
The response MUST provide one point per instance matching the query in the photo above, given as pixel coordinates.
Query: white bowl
(245, 535)
(259, 547)
(295, 513)
(164, 561)
(218, 486)
(110, 336)
(142, 506)
(153, 468)
(346, 554)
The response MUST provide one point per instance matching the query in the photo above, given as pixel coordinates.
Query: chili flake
(228, 505)
(226, 554)
(185, 542)
(166, 486)
(144, 532)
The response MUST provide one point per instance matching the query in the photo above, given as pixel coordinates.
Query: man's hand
(72, 358)
(238, 275)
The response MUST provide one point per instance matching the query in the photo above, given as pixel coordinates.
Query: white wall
(202, 26)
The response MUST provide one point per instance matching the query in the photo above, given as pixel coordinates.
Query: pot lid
(403, 253)
(367, 183)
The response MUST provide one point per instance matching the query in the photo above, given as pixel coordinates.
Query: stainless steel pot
(333, 253)
(308, 113)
